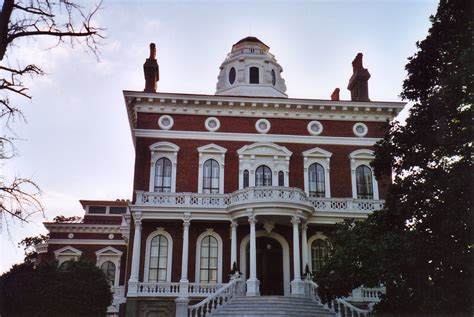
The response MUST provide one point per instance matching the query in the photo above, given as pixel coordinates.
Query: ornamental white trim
(209, 232)
(316, 236)
(208, 121)
(260, 129)
(358, 158)
(322, 157)
(162, 124)
(67, 253)
(311, 131)
(157, 232)
(211, 152)
(357, 133)
(113, 255)
(274, 156)
(164, 150)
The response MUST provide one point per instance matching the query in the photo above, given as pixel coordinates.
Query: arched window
(319, 254)
(210, 177)
(209, 260)
(281, 179)
(316, 180)
(108, 268)
(254, 76)
(65, 265)
(263, 176)
(163, 175)
(158, 259)
(246, 178)
(365, 189)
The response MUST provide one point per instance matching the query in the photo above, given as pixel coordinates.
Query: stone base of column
(297, 287)
(132, 288)
(253, 287)
(181, 307)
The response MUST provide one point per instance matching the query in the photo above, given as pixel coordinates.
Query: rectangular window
(97, 209)
(117, 210)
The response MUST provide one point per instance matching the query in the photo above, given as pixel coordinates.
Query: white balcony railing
(165, 289)
(255, 195)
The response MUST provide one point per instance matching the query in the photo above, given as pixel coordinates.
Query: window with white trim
(364, 184)
(163, 167)
(109, 269)
(158, 256)
(319, 254)
(211, 169)
(108, 260)
(365, 189)
(209, 257)
(67, 254)
(281, 178)
(316, 162)
(246, 178)
(263, 176)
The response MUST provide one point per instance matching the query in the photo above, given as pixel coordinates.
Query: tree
(63, 20)
(77, 289)
(420, 245)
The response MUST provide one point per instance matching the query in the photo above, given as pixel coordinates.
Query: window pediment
(212, 148)
(164, 147)
(264, 149)
(108, 251)
(67, 251)
(362, 154)
(317, 152)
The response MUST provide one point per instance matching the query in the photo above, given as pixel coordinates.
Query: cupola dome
(250, 70)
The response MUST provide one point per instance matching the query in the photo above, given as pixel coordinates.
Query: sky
(76, 143)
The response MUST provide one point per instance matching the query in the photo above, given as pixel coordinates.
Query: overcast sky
(76, 143)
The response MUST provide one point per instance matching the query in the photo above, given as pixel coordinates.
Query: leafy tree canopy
(420, 245)
(78, 289)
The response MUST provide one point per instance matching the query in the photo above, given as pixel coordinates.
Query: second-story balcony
(284, 196)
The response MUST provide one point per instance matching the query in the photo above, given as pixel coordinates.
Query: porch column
(133, 281)
(183, 282)
(304, 247)
(233, 247)
(252, 282)
(297, 286)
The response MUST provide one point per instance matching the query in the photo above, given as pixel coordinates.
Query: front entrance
(269, 266)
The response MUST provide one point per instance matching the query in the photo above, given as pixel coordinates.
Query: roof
(251, 39)
(118, 202)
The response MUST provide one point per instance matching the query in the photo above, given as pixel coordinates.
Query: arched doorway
(269, 266)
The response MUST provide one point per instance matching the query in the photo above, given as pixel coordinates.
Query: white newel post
(297, 285)
(233, 241)
(252, 282)
(133, 281)
(304, 247)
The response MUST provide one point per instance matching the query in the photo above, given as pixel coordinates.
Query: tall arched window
(316, 180)
(319, 254)
(210, 177)
(163, 175)
(109, 270)
(246, 178)
(281, 179)
(263, 176)
(365, 188)
(158, 259)
(209, 260)
(254, 76)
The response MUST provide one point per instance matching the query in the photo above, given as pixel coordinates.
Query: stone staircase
(269, 306)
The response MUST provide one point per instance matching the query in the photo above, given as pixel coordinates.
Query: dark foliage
(420, 245)
(79, 289)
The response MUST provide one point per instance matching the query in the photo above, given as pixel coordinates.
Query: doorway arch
(286, 256)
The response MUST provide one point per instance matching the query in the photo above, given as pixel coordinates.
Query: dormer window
(254, 75)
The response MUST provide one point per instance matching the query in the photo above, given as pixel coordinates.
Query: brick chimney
(151, 70)
(335, 95)
(358, 84)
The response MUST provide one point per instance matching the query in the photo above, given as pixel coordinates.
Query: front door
(269, 266)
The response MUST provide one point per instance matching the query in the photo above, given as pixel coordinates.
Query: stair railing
(311, 290)
(221, 297)
(344, 309)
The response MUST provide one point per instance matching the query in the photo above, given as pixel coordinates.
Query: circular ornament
(262, 125)
(360, 129)
(165, 122)
(70, 235)
(212, 124)
(315, 127)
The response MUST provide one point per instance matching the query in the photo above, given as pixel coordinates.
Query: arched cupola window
(254, 75)
(210, 181)
(263, 176)
(163, 168)
(365, 189)
(316, 180)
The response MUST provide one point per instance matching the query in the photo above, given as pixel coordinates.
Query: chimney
(151, 70)
(335, 95)
(358, 84)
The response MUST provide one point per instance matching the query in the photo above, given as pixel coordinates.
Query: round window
(315, 127)
(232, 76)
(360, 129)
(262, 125)
(165, 122)
(273, 77)
(212, 124)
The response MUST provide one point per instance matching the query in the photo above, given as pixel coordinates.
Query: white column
(133, 281)
(253, 283)
(297, 286)
(183, 282)
(304, 247)
(233, 247)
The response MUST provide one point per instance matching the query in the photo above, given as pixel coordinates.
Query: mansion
(235, 195)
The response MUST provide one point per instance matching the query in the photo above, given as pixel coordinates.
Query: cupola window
(273, 77)
(232, 76)
(254, 75)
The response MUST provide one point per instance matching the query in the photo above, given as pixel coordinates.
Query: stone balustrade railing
(255, 195)
(165, 289)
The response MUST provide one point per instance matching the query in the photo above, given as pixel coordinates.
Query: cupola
(251, 70)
